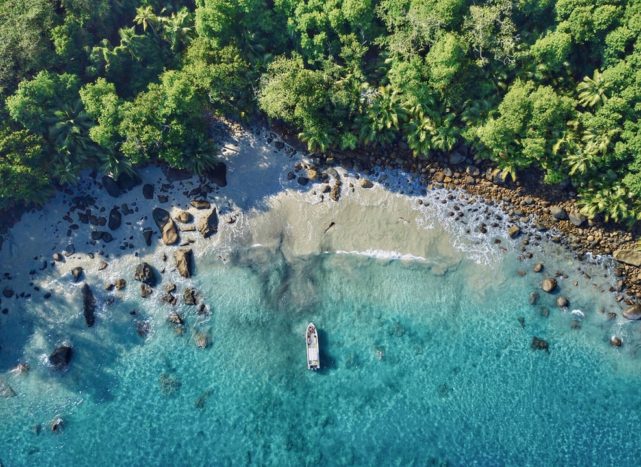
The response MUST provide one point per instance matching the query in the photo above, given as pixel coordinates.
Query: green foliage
(22, 169)
(445, 60)
(491, 32)
(416, 24)
(529, 123)
(551, 84)
(24, 47)
(552, 50)
(38, 99)
(103, 105)
(253, 26)
(614, 201)
(168, 121)
(224, 75)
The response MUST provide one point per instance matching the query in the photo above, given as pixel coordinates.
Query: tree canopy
(547, 84)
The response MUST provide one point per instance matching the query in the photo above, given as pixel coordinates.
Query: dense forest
(553, 85)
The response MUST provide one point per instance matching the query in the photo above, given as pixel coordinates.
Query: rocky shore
(528, 202)
(183, 210)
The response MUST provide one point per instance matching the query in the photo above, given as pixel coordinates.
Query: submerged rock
(208, 225)
(201, 339)
(538, 267)
(6, 391)
(89, 305)
(21, 369)
(61, 356)
(562, 302)
(549, 285)
(175, 318)
(168, 384)
(633, 312)
(143, 328)
(57, 424)
(540, 344)
(183, 262)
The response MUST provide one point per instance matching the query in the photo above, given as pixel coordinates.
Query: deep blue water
(419, 368)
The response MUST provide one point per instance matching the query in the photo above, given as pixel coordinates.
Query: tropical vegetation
(552, 86)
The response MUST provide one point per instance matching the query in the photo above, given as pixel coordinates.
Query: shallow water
(418, 367)
(425, 330)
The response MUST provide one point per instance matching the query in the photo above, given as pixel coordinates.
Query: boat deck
(313, 354)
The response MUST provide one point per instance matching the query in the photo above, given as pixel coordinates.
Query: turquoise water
(418, 368)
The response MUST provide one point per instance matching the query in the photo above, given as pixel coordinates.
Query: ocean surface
(426, 356)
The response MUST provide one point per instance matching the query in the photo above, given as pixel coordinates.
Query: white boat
(311, 339)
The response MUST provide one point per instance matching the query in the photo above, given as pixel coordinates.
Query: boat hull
(313, 351)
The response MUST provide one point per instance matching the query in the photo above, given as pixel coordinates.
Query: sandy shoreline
(528, 203)
(270, 201)
(259, 182)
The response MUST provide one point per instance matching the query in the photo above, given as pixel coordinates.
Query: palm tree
(316, 139)
(446, 134)
(178, 28)
(613, 201)
(64, 171)
(129, 41)
(598, 141)
(147, 18)
(115, 164)
(592, 91)
(383, 116)
(419, 133)
(69, 131)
